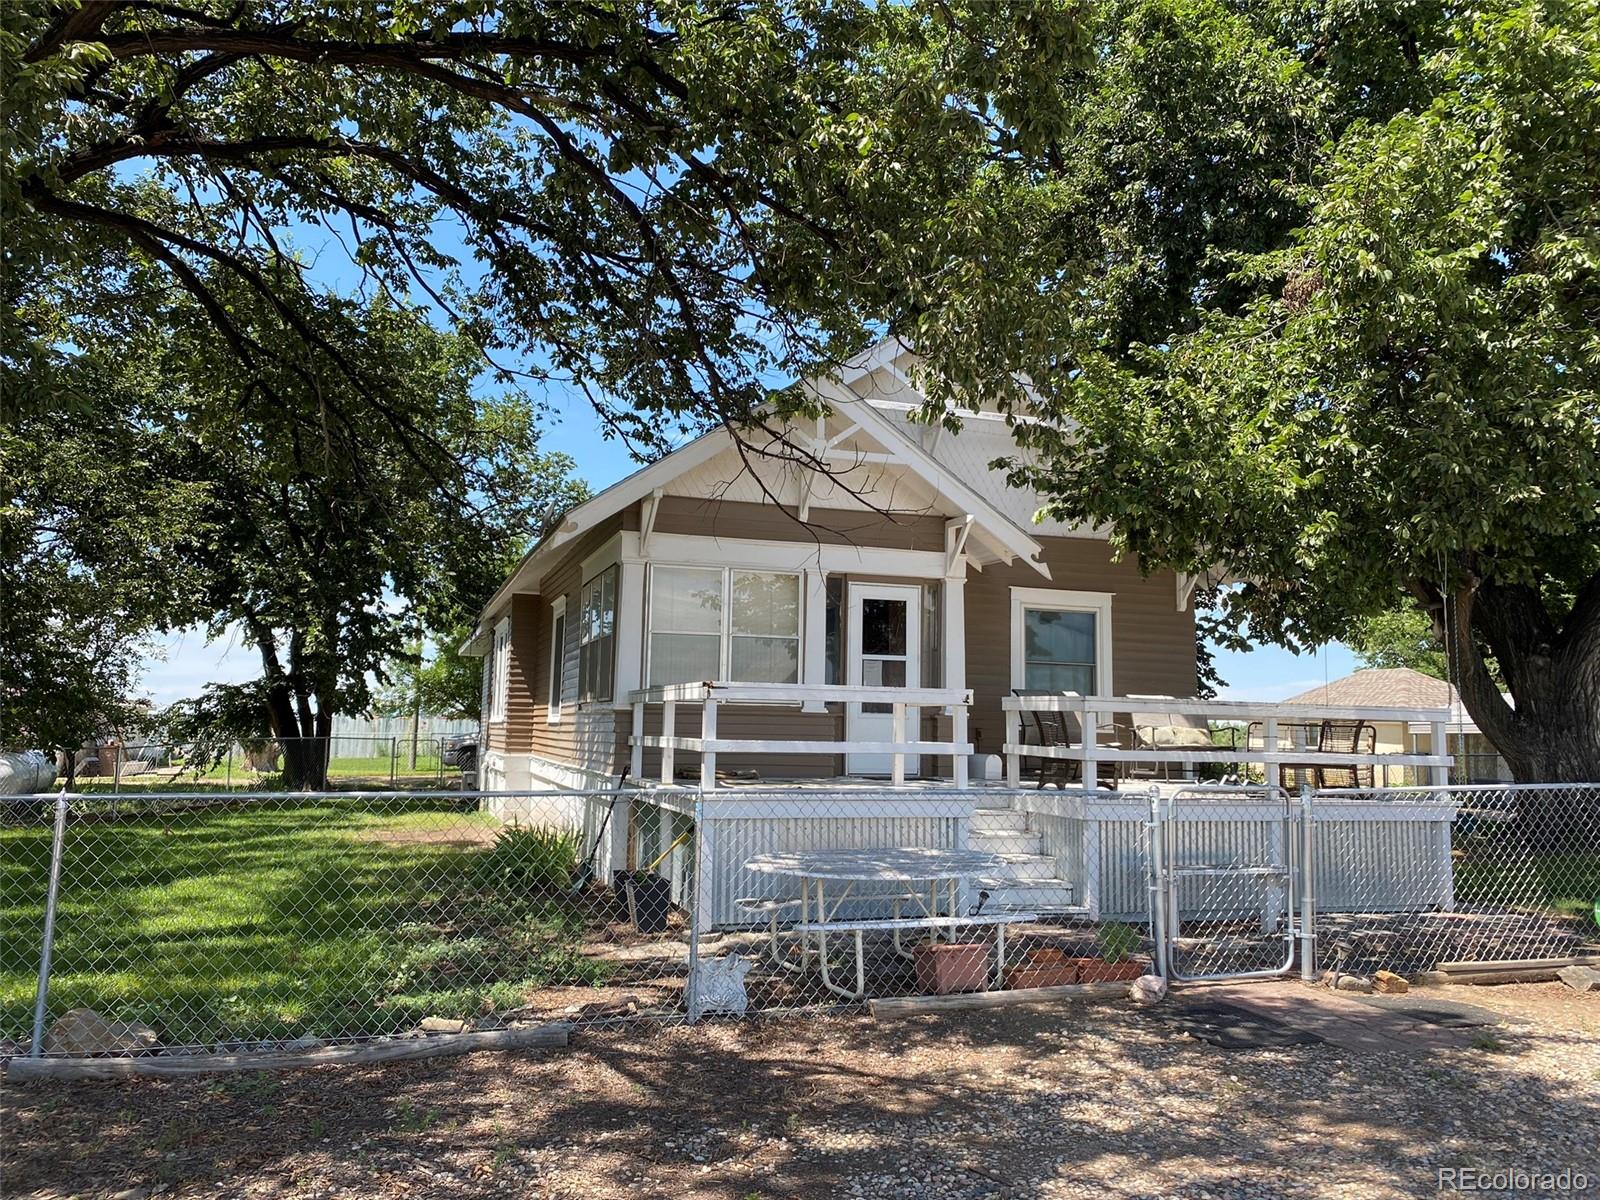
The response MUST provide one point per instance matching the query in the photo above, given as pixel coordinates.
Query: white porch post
(898, 758)
(630, 618)
(1091, 741)
(1013, 759)
(1440, 743)
(708, 756)
(669, 730)
(958, 735)
(954, 639)
(636, 754)
(814, 648)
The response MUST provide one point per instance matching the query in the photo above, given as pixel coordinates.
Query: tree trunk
(1550, 733)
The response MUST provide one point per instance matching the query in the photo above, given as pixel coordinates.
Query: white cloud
(183, 662)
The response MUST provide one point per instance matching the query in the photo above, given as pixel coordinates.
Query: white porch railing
(1095, 713)
(713, 696)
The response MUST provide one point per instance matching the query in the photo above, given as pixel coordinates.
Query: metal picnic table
(940, 872)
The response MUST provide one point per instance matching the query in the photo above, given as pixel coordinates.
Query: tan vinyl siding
(511, 735)
(1152, 642)
(769, 523)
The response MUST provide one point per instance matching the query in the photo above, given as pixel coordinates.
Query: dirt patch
(457, 836)
(1050, 1101)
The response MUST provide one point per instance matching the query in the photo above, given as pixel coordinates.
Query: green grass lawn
(290, 918)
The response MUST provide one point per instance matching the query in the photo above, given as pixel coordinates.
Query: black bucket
(652, 895)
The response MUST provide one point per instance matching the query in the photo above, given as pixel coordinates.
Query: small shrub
(1118, 941)
(532, 858)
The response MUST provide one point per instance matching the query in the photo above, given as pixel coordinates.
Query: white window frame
(616, 620)
(725, 633)
(558, 661)
(1060, 600)
(500, 664)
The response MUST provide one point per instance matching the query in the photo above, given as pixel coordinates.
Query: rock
(1389, 983)
(1580, 979)
(1354, 983)
(441, 1025)
(82, 1031)
(1147, 990)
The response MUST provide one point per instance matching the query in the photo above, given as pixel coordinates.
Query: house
(1476, 759)
(909, 563)
(778, 636)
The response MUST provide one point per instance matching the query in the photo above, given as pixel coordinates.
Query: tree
(321, 541)
(669, 204)
(83, 570)
(1399, 637)
(445, 684)
(1311, 294)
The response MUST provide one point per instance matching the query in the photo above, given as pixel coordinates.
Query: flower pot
(946, 967)
(1097, 970)
(1046, 967)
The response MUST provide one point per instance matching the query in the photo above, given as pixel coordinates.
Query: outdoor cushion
(1179, 735)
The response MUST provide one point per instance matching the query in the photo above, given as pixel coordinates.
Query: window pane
(883, 626)
(683, 657)
(883, 672)
(557, 644)
(765, 605)
(686, 600)
(833, 634)
(1061, 637)
(1059, 677)
(765, 660)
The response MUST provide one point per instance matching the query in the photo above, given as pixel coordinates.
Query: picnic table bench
(943, 871)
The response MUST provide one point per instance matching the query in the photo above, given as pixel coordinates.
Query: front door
(883, 648)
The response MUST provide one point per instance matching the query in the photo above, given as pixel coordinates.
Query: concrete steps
(1029, 880)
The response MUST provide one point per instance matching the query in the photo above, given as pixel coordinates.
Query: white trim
(605, 555)
(693, 549)
(555, 676)
(725, 634)
(859, 726)
(1063, 600)
(500, 664)
(1003, 537)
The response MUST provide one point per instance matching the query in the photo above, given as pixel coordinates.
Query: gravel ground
(1064, 1101)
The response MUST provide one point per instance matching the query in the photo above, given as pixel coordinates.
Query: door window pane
(1059, 650)
(883, 626)
(883, 672)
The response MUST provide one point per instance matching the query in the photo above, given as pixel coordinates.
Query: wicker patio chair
(1308, 736)
(1347, 737)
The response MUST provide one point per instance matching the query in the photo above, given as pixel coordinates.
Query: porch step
(1045, 897)
(998, 820)
(1027, 867)
(994, 841)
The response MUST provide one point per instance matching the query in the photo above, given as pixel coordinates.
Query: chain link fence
(1410, 880)
(256, 922)
(342, 761)
(251, 922)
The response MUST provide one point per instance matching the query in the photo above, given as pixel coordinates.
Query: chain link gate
(1229, 888)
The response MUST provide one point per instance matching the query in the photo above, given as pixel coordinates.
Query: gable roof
(993, 530)
(1388, 687)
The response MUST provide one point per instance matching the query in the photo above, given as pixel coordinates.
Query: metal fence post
(1308, 887)
(691, 991)
(47, 943)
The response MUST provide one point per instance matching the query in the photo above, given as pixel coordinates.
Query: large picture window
(597, 637)
(730, 624)
(1061, 641)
